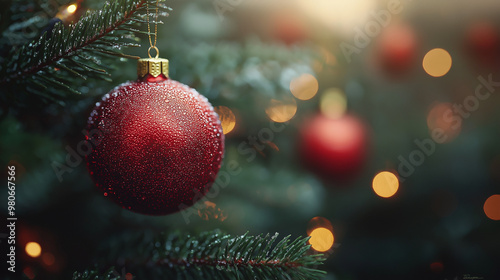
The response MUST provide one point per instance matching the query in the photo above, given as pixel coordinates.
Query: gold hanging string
(151, 44)
(152, 67)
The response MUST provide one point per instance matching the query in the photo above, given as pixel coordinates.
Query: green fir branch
(212, 255)
(109, 274)
(54, 60)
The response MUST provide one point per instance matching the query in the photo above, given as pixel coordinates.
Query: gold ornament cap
(152, 66)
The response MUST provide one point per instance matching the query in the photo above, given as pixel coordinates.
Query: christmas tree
(351, 141)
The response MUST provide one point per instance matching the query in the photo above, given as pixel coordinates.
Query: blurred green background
(316, 98)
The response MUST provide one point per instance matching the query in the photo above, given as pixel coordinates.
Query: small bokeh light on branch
(69, 13)
(437, 62)
(333, 103)
(72, 8)
(321, 239)
(33, 249)
(492, 207)
(385, 184)
(281, 110)
(226, 117)
(304, 87)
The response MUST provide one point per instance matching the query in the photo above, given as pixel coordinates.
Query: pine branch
(254, 66)
(54, 60)
(109, 274)
(213, 255)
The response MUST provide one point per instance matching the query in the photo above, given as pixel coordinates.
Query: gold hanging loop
(153, 48)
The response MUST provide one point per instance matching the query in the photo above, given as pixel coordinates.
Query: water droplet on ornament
(105, 194)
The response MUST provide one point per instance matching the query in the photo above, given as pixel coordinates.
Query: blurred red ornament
(483, 44)
(289, 29)
(158, 145)
(397, 49)
(334, 148)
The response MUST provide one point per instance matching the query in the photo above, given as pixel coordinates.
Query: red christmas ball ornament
(397, 49)
(483, 44)
(157, 143)
(334, 148)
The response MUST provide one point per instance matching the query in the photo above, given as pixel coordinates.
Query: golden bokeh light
(333, 103)
(72, 8)
(444, 124)
(321, 239)
(437, 62)
(492, 207)
(385, 184)
(281, 111)
(304, 87)
(210, 211)
(227, 118)
(33, 249)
